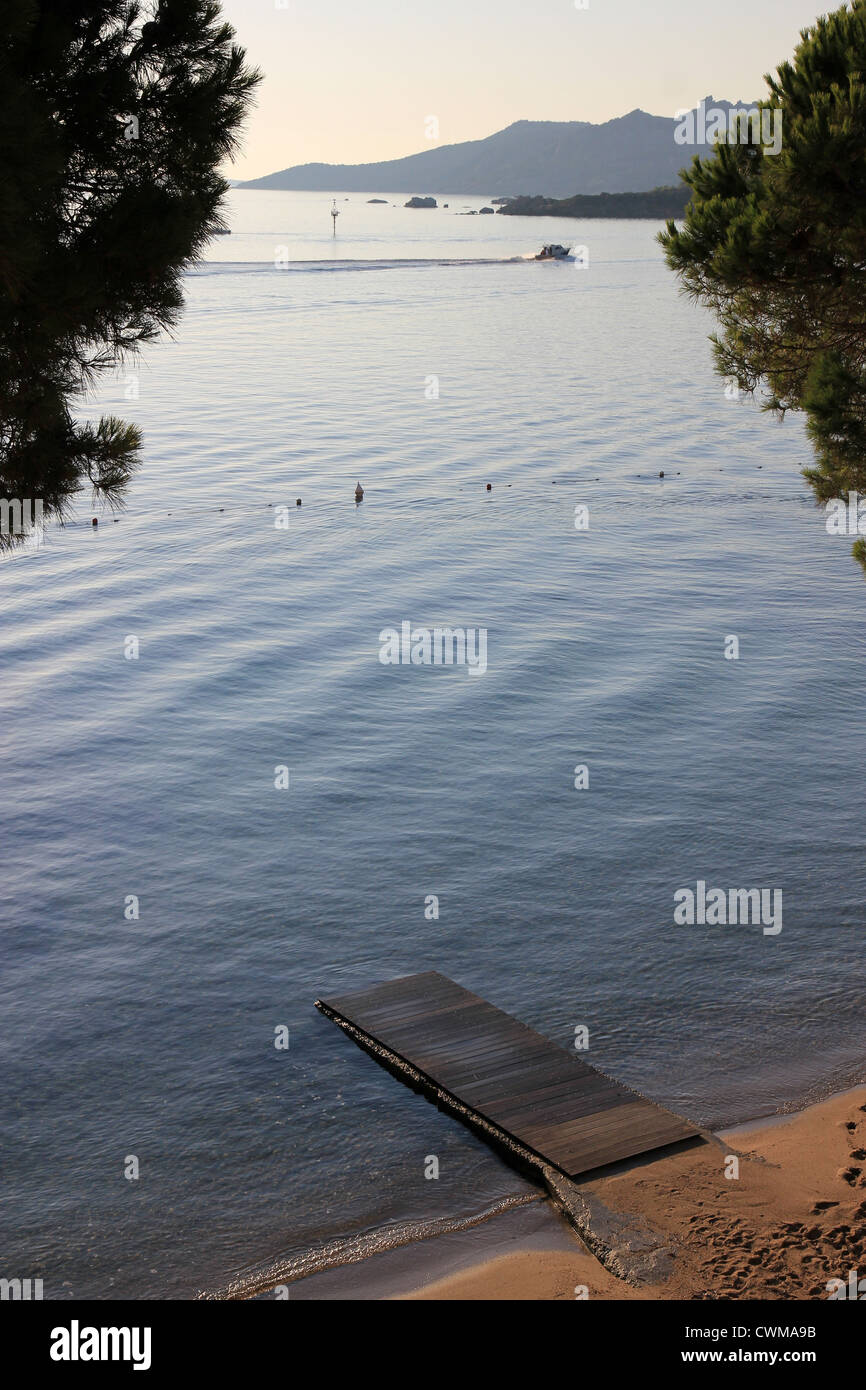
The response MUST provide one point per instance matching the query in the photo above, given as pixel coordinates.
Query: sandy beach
(793, 1219)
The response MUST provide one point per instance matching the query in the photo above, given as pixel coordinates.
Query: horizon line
(479, 139)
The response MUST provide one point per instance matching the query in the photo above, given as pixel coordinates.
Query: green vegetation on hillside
(657, 204)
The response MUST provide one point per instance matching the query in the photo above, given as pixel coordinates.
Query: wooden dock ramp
(503, 1075)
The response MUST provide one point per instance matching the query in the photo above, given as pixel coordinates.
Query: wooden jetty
(508, 1080)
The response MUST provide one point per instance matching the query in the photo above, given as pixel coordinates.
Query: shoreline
(669, 1227)
(793, 1220)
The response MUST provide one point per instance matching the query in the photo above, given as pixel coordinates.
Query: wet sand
(793, 1219)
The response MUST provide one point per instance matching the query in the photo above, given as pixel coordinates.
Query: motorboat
(554, 252)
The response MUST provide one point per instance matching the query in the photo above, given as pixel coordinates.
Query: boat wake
(323, 267)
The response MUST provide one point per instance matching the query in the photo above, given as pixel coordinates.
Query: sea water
(220, 804)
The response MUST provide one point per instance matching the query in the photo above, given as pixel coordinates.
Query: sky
(355, 81)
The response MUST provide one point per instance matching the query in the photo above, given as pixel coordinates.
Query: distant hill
(658, 204)
(553, 158)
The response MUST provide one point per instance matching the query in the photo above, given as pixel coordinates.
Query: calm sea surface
(258, 648)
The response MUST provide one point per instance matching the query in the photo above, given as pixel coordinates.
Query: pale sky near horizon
(349, 82)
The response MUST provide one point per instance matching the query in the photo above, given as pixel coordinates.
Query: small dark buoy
(298, 502)
(359, 493)
(662, 473)
(489, 487)
(95, 521)
(222, 509)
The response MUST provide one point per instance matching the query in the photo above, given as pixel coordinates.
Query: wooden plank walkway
(546, 1099)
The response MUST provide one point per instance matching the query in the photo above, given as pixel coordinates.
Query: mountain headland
(555, 159)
